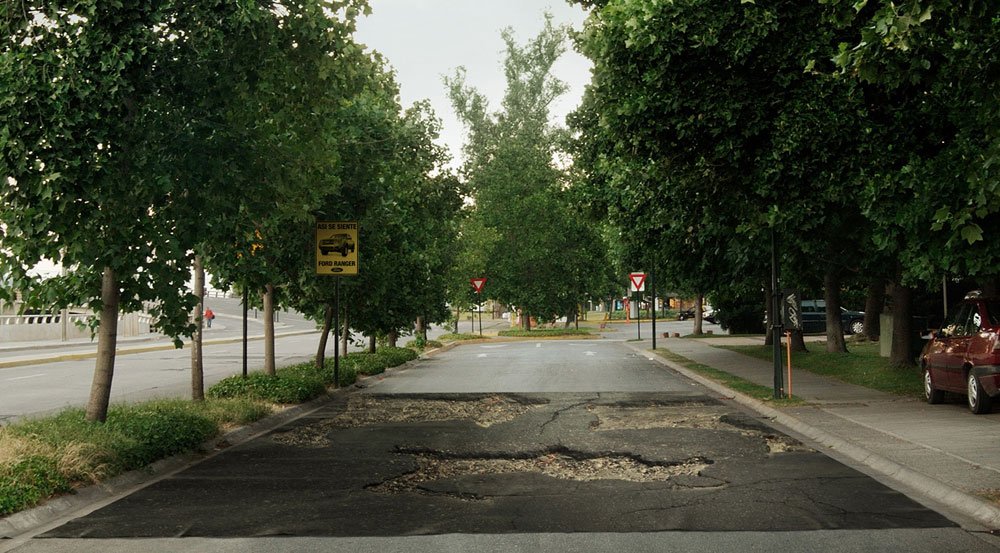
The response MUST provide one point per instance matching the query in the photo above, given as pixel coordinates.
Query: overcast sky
(425, 40)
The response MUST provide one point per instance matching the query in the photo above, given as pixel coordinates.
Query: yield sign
(638, 281)
(477, 283)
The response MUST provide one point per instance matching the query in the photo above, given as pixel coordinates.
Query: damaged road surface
(514, 445)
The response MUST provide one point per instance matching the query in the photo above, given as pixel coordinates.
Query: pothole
(692, 415)
(611, 417)
(431, 467)
(366, 410)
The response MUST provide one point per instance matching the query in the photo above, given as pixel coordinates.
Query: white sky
(424, 40)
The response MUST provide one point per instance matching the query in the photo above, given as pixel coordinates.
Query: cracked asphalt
(526, 439)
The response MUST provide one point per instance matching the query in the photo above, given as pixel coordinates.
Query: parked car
(963, 357)
(814, 318)
(711, 315)
(337, 243)
(685, 314)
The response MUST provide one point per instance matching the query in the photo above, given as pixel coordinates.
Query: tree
(540, 259)
(708, 125)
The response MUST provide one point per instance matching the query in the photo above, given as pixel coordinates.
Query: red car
(964, 356)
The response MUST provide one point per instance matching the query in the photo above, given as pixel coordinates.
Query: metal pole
(652, 282)
(638, 317)
(246, 312)
(336, 335)
(779, 387)
(479, 306)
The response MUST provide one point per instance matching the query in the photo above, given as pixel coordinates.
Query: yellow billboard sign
(337, 248)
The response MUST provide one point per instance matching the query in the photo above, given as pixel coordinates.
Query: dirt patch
(364, 410)
(989, 494)
(555, 465)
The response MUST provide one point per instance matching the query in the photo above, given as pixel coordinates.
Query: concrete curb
(978, 509)
(25, 524)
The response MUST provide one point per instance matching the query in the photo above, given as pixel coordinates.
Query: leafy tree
(541, 258)
(708, 126)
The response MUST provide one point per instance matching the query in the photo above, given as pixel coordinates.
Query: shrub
(543, 332)
(452, 337)
(366, 363)
(397, 356)
(429, 344)
(289, 387)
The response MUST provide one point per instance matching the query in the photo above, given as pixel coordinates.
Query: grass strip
(862, 365)
(735, 383)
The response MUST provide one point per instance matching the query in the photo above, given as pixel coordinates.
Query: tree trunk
(874, 304)
(458, 317)
(269, 330)
(393, 338)
(835, 342)
(371, 344)
(526, 320)
(699, 301)
(107, 342)
(197, 361)
(327, 326)
(902, 322)
(798, 341)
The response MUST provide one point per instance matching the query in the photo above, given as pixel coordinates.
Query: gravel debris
(366, 410)
(555, 465)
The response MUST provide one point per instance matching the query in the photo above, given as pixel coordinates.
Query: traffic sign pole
(477, 285)
(336, 335)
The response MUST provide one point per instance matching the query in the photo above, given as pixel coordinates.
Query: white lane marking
(590, 353)
(495, 346)
(25, 377)
(482, 355)
(538, 345)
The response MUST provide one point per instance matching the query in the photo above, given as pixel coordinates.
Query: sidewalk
(941, 453)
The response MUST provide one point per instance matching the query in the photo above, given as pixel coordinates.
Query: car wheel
(857, 327)
(932, 394)
(979, 402)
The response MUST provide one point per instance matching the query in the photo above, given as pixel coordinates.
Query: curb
(982, 511)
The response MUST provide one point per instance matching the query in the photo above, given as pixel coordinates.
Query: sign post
(477, 285)
(791, 317)
(637, 283)
(336, 255)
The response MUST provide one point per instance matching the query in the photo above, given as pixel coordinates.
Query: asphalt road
(532, 446)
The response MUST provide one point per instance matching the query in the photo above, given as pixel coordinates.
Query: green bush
(397, 356)
(366, 363)
(544, 332)
(29, 481)
(288, 387)
(452, 337)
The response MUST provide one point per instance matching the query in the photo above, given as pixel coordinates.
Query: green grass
(545, 332)
(735, 383)
(862, 365)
